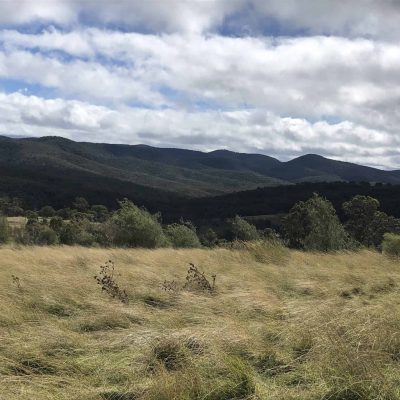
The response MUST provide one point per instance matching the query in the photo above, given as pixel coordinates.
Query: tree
(314, 225)
(47, 212)
(64, 213)
(4, 229)
(365, 222)
(11, 207)
(242, 230)
(81, 204)
(132, 226)
(100, 213)
(57, 224)
(37, 233)
(182, 236)
(78, 231)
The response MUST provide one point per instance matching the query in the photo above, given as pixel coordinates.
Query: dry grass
(292, 326)
(16, 222)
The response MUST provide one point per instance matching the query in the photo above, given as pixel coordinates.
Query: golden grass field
(281, 325)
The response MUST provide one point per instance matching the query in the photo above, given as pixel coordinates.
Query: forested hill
(279, 200)
(53, 170)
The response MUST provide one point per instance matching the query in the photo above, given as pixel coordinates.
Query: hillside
(55, 170)
(280, 325)
(279, 200)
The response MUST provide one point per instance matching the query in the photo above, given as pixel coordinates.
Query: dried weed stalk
(106, 280)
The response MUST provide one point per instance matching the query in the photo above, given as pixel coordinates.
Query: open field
(16, 222)
(281, 325)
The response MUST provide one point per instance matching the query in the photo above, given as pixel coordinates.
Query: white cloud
(371, 18)
(336, 95)
(250, 130)
(25, 11)
(315, 77)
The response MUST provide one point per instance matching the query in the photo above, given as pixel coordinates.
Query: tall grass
(280, 325)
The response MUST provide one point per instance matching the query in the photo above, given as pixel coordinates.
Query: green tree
(208, 237)
(78, 231)
(4, 229)
(32, 216)
(64, 213)
(242, 230)
(57, 224)
(81, 204)
(182, 236)
(37, 233)
(132, 226)
(365, 223)
(100, 213)
(314, 225)
(47, 212)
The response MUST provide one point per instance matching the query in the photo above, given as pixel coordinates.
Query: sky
(276, 77)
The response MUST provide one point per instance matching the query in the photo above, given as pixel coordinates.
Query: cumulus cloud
(207, 74)
(313, 77)
(371, 18)
(245, 130)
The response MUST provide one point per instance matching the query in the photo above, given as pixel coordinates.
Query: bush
(208, 238)
(391, 244)
(132, 226)
(182, 236)
(47, 237)
(242, 230)
(37, 233)
(77, 232)
(314, 225)
(4, 230)
(57, 224)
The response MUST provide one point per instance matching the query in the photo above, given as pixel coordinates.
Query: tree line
(310, 225)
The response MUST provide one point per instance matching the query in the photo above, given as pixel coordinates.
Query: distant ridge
(57, 168)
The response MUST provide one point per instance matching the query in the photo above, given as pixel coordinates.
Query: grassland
(281, 325)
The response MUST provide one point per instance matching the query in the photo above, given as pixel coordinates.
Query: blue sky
(278, 77)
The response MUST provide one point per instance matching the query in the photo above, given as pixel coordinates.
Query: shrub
(37, 233)
(77, 232)
(4, 230)
(208, 238)
(182, 236)
(391, 244)
(314, 225)
(57, 224)
(32, 216)
(242, 230)
(47, 237)
(132, 226)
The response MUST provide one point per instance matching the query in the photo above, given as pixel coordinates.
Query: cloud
(365, 18)
(314, 77)
(245, 130)
(27, 11)
(207, 74)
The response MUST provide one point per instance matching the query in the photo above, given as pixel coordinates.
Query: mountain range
(54, 169)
